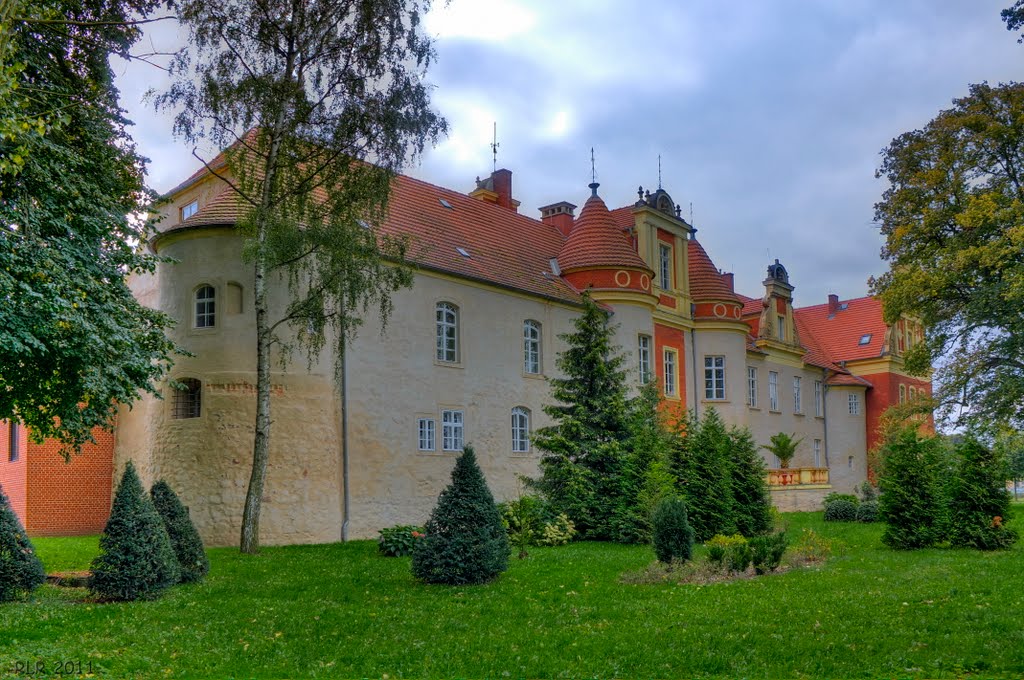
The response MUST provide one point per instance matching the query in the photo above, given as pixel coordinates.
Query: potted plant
(783, 446)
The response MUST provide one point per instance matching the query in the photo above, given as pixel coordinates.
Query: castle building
(466, 355)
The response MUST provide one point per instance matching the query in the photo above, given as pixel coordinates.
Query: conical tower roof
(596, 242)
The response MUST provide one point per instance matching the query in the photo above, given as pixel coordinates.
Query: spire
(495, 145)
(593, 174)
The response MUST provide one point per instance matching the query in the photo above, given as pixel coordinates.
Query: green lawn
(341, 611)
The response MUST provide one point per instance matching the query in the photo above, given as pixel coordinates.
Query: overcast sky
(768, 116)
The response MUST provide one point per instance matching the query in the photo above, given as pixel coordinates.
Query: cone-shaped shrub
(20, 568)
(466, 541)
(911, 502)
(752, 503)
(979, 502)
(136, 560)
(185, 540)
(672, 535)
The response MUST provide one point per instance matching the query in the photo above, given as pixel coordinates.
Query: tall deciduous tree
(953, 220)
(319, 102)
(585, 447)
(74, 342)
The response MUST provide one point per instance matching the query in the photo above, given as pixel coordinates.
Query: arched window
(447, 332)
(520, 430)
(531, 346)
(205, 307)
(187, 402)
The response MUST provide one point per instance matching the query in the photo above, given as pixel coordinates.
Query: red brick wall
(885, 392)
(69, 499)
(12, 475)
(672, 338)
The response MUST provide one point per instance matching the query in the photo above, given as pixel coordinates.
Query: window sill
(798, 413)
(672, 397)
(535, 376)
(775, 411)
(714, 401)
(435, 454)
(521, 454)
(448, 364)
(753, 408)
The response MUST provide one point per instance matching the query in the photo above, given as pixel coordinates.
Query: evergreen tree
(646, 479)
(752, 502)
(585, 447)
(20, 568)
(185, 540)
(979, 501)
(465, 540)
(136, 560)
(910, 502)
(704, 470)
(673, 536)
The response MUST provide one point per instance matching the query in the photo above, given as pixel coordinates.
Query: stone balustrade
(795, 477)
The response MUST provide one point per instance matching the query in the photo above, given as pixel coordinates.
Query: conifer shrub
(21, 571)
(841, 510)
(465, 540)
(867, 511)
(752, 503)
(136, 560)
(720, 545)
(766, 551)
(672, 535)
(703, 466)
(911, 497)
(185, 540)
(979, 500)
(738, 557)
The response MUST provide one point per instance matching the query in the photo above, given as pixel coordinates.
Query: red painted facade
(885, 392)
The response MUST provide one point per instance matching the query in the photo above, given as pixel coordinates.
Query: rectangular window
(13, 443)
(189, 210)
(773, 391)
(451, 430)
(818, 403)
(531, 347)
(670, 372)
(817, 453)
(798, 404)
(644, 353)
(781, 328)
(854, 404)
(714, 377)
(903, 393)
(751, 386)
(427, 434)
(665, 262)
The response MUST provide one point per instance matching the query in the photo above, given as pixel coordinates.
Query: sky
(769, 117)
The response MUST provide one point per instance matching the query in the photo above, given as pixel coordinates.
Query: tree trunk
(261, 448)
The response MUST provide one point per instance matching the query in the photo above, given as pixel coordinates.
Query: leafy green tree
(952, 218)
(1010, 446)
(74, 342)
(318, 105)
(136, 560)
(672, 534)
(185, 540)
(20, 568)
(783, 446)
(752, 503)
(465, 540)
(585, 446)
(911, 499)
(979, 504)
(703, 468)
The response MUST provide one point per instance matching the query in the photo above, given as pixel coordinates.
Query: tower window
(187, 401)
(520, 430)
(206, 302)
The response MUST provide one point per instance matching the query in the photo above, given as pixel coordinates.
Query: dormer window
(665, 266)
(865, 339)
(189, 209)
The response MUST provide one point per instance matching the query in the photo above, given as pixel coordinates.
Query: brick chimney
(558, 215)
(729, 280)
(496, 189)
(833, 304)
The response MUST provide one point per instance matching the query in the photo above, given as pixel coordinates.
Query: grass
(342, 611)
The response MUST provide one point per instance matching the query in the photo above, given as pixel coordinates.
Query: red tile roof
(706, 283)
(623, 217)
(839, 335)
(847, 379)
(751, 305)
(596, 241)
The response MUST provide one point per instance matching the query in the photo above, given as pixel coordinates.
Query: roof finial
(495, 145)
(659, 171)
(593, 174)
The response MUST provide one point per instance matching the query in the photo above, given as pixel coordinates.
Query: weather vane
(495, 145)
(593, 167)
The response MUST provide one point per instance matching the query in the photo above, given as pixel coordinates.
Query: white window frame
(714, 378)
(665, 265)
(204, 309)
(781, 323)
(520, 429)
(853, 403)
(817, 453)
(670, 366)
(752, 386)
(644, 358)
(532, 347)
(427, 429)
(446, 321)
(773, 390)
(903, 394)
(798, 401)
(818, 394)
(189, 209)
(452, 430)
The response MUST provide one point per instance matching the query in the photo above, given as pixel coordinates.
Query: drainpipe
(344, 436)
(693, 353)
(824, 414)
